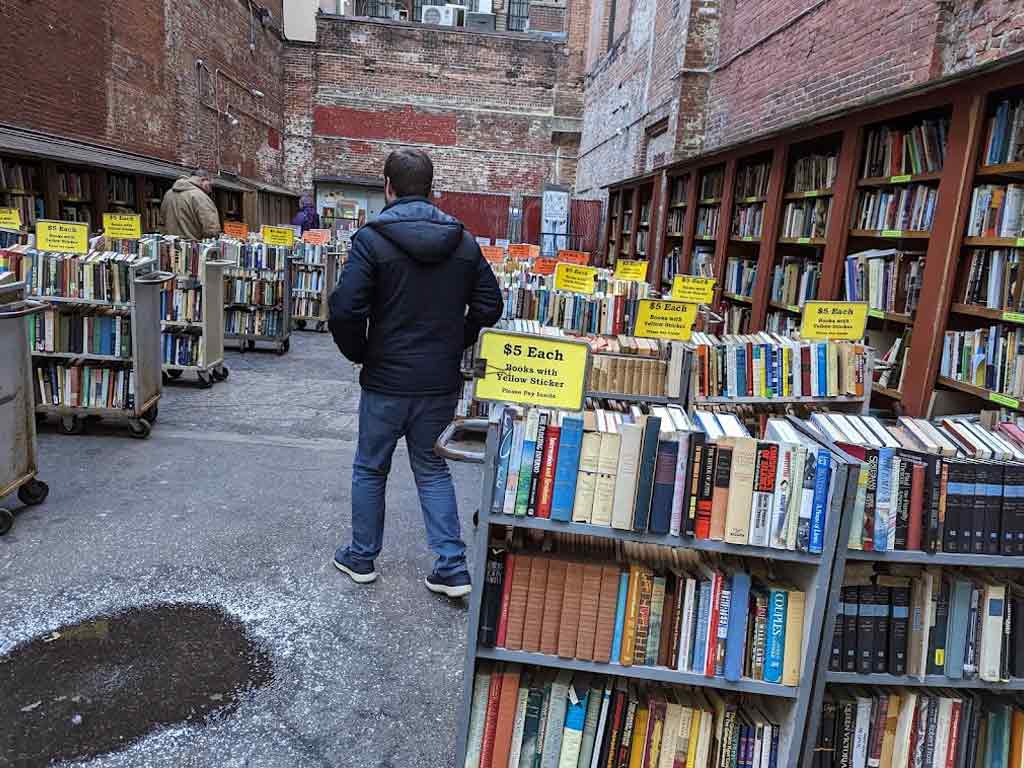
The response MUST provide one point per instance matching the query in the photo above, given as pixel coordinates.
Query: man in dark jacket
(307, 217)
(414, 293)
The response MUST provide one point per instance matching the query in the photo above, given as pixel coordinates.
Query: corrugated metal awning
(272, 188)
(230, 182)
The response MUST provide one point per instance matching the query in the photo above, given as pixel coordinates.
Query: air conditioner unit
(438, 14)
(458, 15)
(480, 22)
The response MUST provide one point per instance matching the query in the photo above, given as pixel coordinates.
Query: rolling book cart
(811, 573)
(314, 272)
(198, 325)
(257, 296)
(17, 420)
(136, 365)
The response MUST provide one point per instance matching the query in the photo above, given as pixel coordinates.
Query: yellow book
(741, 491)
(693, 743)
(892, 715)
(832, 379)
(629, 625)
(787, 366)
(636, 752)
(792, 656)
(1017, 739)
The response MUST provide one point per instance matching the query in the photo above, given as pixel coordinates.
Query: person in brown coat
(188, 210)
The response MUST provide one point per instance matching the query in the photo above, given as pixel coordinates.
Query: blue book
(575, 717)
(882, 499)
(506, 430)
(735, 641)
(775, 642)
(620, 616)
(698, 657)
(664, 486)
(757, 357)
(822, 351)
(567, 468)
(959, 616)
(741, 372)
(769, 369)
(819, 507)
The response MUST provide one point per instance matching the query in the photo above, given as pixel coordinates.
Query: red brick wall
(483, 105)
(122, 73)
(547, 18)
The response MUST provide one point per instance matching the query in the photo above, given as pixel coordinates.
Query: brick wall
(123, 73)
(483, 105)
(975, 32)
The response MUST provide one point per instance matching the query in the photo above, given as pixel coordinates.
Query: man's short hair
(410, 171)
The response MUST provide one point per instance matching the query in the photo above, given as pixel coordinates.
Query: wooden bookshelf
(897, 179)
(890, 234)
(1002, 169)
(995, 242)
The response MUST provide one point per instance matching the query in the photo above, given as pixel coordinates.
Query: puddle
(102, 684)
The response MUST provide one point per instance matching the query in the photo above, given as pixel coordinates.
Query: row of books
(904, 208)
(795, 281)
(76, 185)
(806, 218)
(310, 281)
(960, 624)
(770, 366)
(700, 617)
(76, 213)
(152, 218)
(992, 358)
(254, 255)
(891, 363)
(253, 322)
(736, 318)
(752, 180)
(31, 207)
(672, 265)
(85, 386)
(524, 716)
(702, 261)
(740, 275)
(907, 727)
(18, 176)
(182, 301)
(888, 279)
(782, 323)
(707, 221)
(1004, 138)
(747, 220)
(576, 312)
(996, 211)
(181, 348)
(813, 172)
(90, 333)
(96, 276)
(262, 287)
(305, 306)
(920, 148)
(993, 279)
(633, 375)
(182, 257)
(309, 254)
(676, 220)
(711, 183)
(121, 188)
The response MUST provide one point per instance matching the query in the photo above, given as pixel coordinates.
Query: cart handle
(219, 263)
(442, 449)
(24, 308)
(155, 278)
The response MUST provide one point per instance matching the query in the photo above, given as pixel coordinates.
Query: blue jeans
(383, 419)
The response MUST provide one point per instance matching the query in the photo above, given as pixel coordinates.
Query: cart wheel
(151, 413)
(300, 324)
(250, 345)
(282, 347)
(6, 520)
(174, 374)
(33, 492)
(40, 418)
(71, 425)
(321, 326)
(139, 428)
(220, 374)
(205, 380)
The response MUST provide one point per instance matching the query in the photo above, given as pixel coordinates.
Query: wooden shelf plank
(891, 234)
(928, 681)
(996, 242)
(894, 394)
(980, 392)
(914, 557)
(809, 193)
(894, 317)
(996, 315)
(813, 241)
(709, 201)
(1002, 169)
(903, 178)
(745, 239)
(749, 200)
(737, 298)
(792, 308)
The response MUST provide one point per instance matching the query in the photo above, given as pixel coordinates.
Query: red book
(750, 370)
(805, 369)
(620, 315)
(506, 593)
(547, 471)
(491, 721)
(916, 507)
(506, 716)
(954, 734)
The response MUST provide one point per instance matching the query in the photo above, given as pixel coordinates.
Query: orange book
(590, 600)
(552, 607)
(535, 604)
(629, 625)
(517, 602)
(606, 613)
(570, 623)
(720, 493)
(491, 721)
(507, 701)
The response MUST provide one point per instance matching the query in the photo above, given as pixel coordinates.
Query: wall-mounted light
(230, 119)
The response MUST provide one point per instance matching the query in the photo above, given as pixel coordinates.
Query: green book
(526, 469)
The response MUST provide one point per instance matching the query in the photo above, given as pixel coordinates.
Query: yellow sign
(834, 320)
(122, 226)
(665, 319)
(696, 290)
(1009, 402)
(631, 270)
(278, 236)
(574, 278)
(62, 236)
(10, 218)
(535, 370)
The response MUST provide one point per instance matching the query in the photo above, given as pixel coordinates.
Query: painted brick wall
(975, 32)
(122, 73)
(484, 106)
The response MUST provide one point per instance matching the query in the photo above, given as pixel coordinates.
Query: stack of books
(181, 348)
(906, 208)
(813, 172)
(711, 184)
(96, 276)
(254, 288)
(993, 279)
(747, 220)
(740, 275)
(991, 358)
(795, 281)
(1005, 134)
(610, 311)
(996, 211)
(752, 180)
(893, 151)
(92, 332)
(702, 262)
(888, 279)
(707, 221)
(806, 218)
(642, 371)
(769, 366)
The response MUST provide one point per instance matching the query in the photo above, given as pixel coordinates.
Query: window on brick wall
(518, 15)
(618, 19)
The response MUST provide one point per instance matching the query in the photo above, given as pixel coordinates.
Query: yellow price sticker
(1013, 317)
(631, 270)
(902, 179)
(671, 320)
(876, 313)
(533, 370)
(748, 238)
(62, 236)
(122, 226)
(812, 193)
(574, 278)
(834, 320)
(278, 235)
(892, 233)
(695, 290)
(1009, 402)
(1020, 242)
(10, 218)
(804, 240)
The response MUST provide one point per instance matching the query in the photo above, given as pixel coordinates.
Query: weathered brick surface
(123, 73)
(483, 105)
(975, 32)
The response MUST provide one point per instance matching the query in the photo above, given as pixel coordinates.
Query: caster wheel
(139, 428)
(33, 492)
(6, 520)
(40, 419)
(71, 425)
(174, 374)
(151, 414)
(250, 345)
(321, 327)
(476, 518)
(300, 324)
(205, 380)
(282, 347)
(220, 374)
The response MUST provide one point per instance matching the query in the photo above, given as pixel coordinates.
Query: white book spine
(860, 733)
(783, 487)
(686, 630)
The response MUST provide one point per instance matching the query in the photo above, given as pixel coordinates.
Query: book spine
(822, 478)
(540, 446)
(776, 640)
(547, 475)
